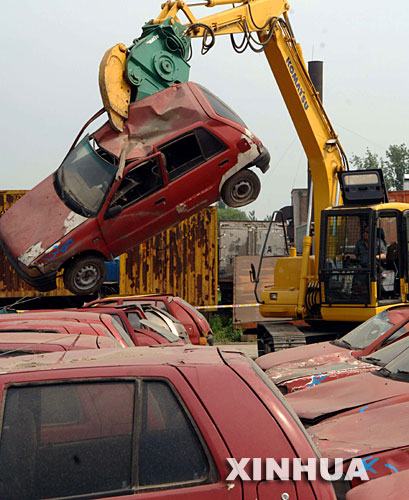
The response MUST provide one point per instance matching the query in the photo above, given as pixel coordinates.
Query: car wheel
(241, 189)
(85, 275)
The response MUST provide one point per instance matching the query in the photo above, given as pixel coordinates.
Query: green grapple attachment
(158, 58)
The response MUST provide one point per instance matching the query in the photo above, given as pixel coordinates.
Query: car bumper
(262, 161)
(42, 282)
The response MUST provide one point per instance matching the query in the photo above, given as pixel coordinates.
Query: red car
(149, 423)
(291, 377)
(180, 151)
(196, 325)
(100, 323)
(375, 333)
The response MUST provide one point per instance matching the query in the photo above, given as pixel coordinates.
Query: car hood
(311, 366)
(297, 353)
(392, 487)
(28, 233)
(325, 400)
(311, 377)
(363, 433)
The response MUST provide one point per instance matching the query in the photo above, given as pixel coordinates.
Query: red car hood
(297, 353)
(311, 366)
(363, 433)
(28, 232)
(325, 400)
(312, 376)
(392, 487)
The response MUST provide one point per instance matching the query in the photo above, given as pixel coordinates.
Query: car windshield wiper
(370, 359)
(384, 372)
(343, 342)
(404, 372)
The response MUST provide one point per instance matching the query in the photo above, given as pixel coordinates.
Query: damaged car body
(385, 387)
(181, 150)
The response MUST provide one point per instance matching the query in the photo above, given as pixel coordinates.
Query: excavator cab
(360, 257)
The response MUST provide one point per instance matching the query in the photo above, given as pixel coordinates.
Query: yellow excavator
(354, 262)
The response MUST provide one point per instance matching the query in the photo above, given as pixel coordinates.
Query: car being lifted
(181, 150)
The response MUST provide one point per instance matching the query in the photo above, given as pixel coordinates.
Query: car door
(137, 209)
(143, 437)
(192, 165)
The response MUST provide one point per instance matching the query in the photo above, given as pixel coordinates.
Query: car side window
(189, 151)
(170, 451)
(211, 145)
(98, 439)
(134, 319)
(141, 181)
(62, 440)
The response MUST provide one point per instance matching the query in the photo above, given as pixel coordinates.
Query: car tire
(85, 275)
(241, 189)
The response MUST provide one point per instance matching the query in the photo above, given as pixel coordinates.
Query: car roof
(74, 315)
(29, 339)
(161, 355)
(112, 309)
(120, 299)
(181, 107)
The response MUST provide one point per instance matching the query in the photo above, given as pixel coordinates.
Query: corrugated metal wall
(181, 260)
(398, 196)
(10, 283)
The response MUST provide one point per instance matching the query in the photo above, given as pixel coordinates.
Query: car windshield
(85, 177)
(168, 335)
(366, 333)
(388, 353)
(398, 367)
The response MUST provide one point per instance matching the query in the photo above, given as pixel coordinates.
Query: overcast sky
(50, 53)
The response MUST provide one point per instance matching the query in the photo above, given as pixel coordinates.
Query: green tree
(229, 213)
(394, 166)
(368, 161)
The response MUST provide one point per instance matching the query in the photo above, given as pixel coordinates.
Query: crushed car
(375, 333)
(291, 377)
(181, 150)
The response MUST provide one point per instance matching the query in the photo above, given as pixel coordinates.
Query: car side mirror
(112, 212)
